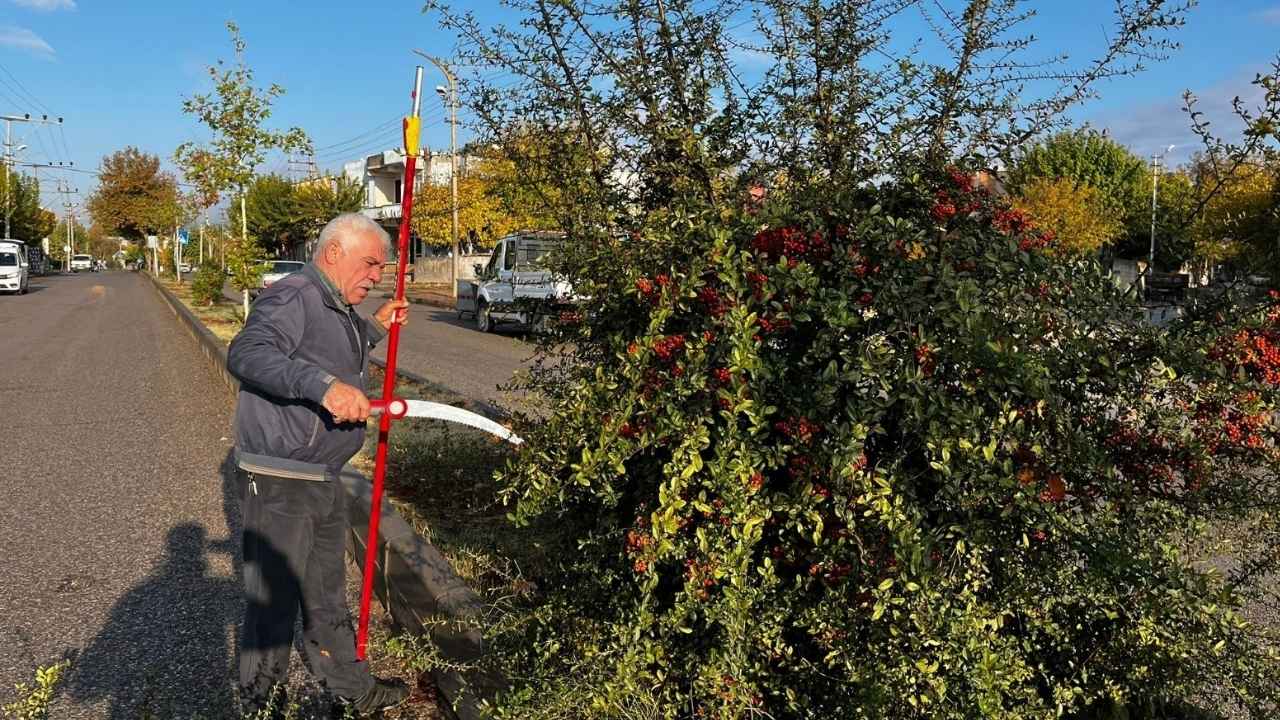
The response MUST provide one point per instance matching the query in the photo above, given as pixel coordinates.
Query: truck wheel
(484, 323)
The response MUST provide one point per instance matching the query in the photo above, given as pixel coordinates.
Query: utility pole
(450, 97)
(9, 120)
(68, 206)
(1155, 182)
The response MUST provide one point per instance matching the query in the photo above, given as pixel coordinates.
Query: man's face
(357, 267)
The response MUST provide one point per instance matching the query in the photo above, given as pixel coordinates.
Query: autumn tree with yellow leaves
(483, 216)
(1077, 214)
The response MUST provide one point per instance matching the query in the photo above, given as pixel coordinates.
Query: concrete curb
(210, 345)
(414, 582)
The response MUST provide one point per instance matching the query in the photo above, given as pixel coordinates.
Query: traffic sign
(184, 236)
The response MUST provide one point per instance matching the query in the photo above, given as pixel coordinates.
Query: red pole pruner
(411, 128)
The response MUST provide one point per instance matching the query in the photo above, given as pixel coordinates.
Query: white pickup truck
(514, 286)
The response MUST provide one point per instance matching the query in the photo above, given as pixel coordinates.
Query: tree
(1077, 214)
(235, 112)
(27, 220)
(80, 239)
(483, 211)
(1087, 157)
(1175, 201)
(319, 200)
(281, 212)
(858, 448)
(134, 198)
(272, 215)
(1238, 225)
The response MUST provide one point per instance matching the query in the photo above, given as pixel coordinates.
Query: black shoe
(384, 694)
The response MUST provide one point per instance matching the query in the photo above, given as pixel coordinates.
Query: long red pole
(389, 381)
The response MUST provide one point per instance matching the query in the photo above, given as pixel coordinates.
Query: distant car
(278, 269)
(14, 270)
(184, 267)
(81, 262)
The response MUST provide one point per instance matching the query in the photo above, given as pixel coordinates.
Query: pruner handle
(396, 408)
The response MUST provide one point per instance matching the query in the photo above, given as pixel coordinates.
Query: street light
(450, 97)
(1155, 181)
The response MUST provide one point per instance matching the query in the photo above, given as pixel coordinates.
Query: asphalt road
(116, 527)
(445, 350)
(440, 347)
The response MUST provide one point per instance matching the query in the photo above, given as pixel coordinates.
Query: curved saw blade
(449, 413)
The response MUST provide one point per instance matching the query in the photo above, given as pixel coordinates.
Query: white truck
(515, 286)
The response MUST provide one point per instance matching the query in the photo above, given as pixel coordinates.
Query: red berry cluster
(701, 575)
(798, 428)
(668, 347)
(1010, 221)
(792, 243)
(716, 305)
(799, 467)
(961, 179)
(943, 211)
(1035, 241)
(771, 325)
(926, 360)
(866, 299)
(720, 376)
(1255, 351)
(757, 281)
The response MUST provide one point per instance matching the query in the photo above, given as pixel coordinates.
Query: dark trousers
(294, 532)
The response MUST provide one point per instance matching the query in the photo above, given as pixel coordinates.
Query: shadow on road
(163, 651)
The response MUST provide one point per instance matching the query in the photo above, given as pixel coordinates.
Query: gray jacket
(297, 340)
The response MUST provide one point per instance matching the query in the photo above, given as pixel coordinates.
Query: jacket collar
(328, 292)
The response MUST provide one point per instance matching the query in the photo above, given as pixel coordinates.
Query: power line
(348, 141)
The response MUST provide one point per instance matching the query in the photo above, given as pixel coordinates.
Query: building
(382, 177)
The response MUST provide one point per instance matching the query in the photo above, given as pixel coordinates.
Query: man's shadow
(163, 652)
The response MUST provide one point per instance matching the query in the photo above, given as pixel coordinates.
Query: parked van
(14, 270)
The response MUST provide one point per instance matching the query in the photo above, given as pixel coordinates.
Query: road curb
(213, 348)
(415, 582)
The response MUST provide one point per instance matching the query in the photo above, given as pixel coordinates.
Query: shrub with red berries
(877, 454)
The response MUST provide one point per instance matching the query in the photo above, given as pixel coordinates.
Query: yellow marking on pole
(412, 124)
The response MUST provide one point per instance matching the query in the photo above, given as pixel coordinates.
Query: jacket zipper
(359, 343)
(315, 431)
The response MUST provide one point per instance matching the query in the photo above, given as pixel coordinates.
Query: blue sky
(117, 71)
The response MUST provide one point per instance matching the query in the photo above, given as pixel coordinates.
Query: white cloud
(23, 39)
(47, 5)
(1151, 127)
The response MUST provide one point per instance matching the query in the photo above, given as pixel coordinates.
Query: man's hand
(346, 403)
(392, 311)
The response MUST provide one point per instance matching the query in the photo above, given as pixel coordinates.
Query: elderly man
(301, 362)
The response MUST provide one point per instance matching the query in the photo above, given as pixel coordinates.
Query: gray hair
(348, 226)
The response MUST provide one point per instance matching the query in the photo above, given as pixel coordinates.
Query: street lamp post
(1155, 182)
(450, 97)
(452, 101)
